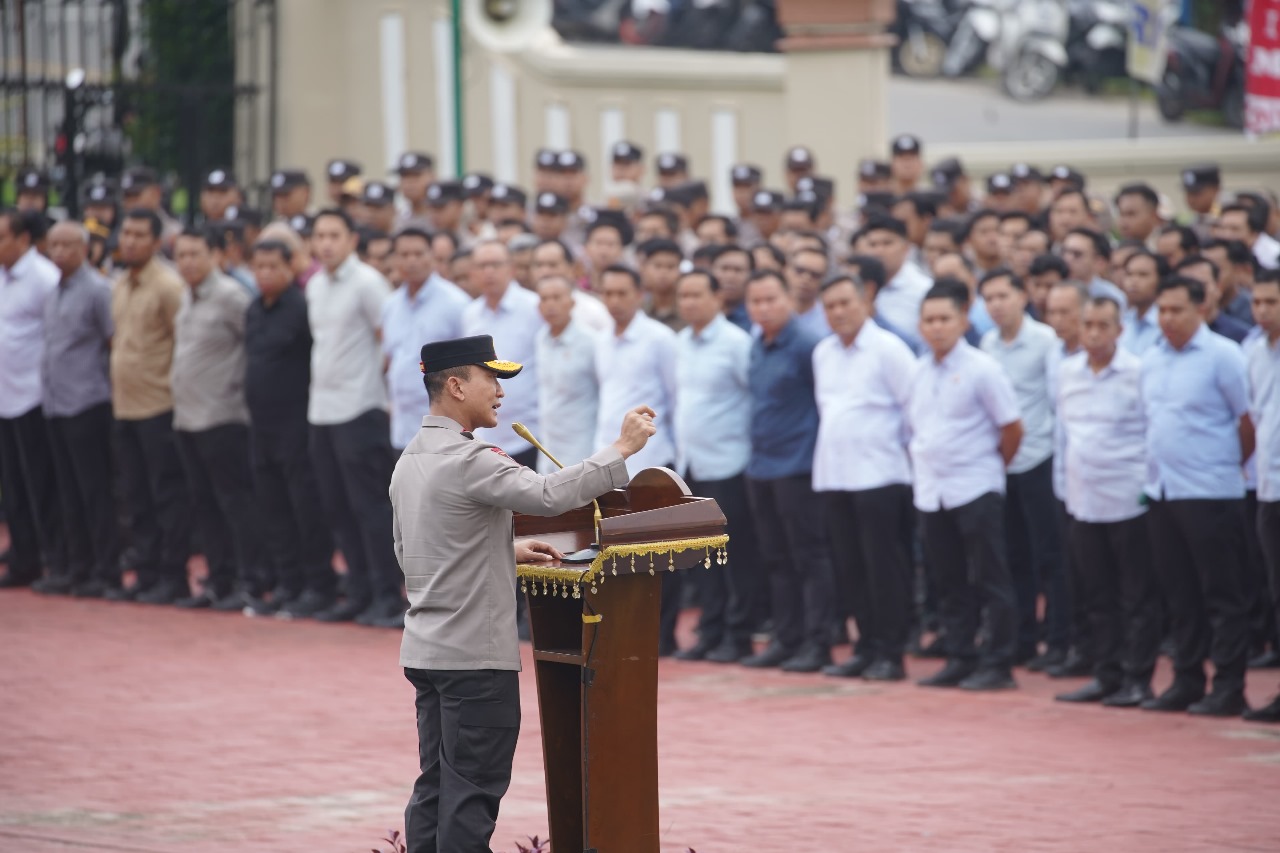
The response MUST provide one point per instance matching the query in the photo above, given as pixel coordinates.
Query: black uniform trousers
(1080, 625)
(468, 723)
(871, 532)
(156, 497)
(1262, 624)
(82, 463)
(353, 463)
(966, 547)
(1198, 547)
(726, 592)
(1116, 587)
(791, 532)
(1268, 526)
(30, 497)
(1035, 557)
(296, 536)
(219, 480)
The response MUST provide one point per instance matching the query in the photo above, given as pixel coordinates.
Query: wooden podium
(595, 651)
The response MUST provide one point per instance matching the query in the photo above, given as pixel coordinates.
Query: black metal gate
(92, 87)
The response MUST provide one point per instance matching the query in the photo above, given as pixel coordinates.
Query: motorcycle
(1204, 72)
(924, 28)
(978, 30)
(1084, 40)
(1097, 47)
(1040, 54)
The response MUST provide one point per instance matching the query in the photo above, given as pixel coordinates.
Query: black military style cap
(219, 179)
(138, 179)
(905, 143)
(947, 171)
(999, 184)
(872, 170)
(32, 181)
(599, 217)
(476, 184)
(461, 352)
(823, 188)
(1025, 172)
(799, 158)
(377, 194)
(672, 163)
(508, 194)
(442, 192)
(341, 170)
(302, 224)
(551, 203)
(767, 201)
(546, 158)
(745, 175)
(570, 161)
(287, 179)
(1202, 175)
(99, 193)
(414, 161)
(1063, 172)
(627, 152)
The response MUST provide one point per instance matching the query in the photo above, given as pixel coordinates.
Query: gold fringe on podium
(568, 580)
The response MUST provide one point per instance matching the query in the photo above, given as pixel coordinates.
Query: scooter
(978, 30)
(1084, 40)
(1204, 72)
(1098, 43)
(924, 28)
(1039, 57)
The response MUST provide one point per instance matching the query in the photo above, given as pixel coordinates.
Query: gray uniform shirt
(75, 366)
(452, 499)
(207, 376)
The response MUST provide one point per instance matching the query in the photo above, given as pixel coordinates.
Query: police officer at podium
(453, 496)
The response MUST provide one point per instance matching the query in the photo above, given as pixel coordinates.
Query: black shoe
(1266, 714)
(165, 592)
(120, 593)
(53, 585)
(774, 654)
(810, 659)
(195, 602)
(885, 670)
(935, 649)
(950, 675)
(1076, 665)
(1094, 691)
(255, 606)
(232, 602)
(1128, 696)
(1176, 698)
(305, 606)
(698, 651)
(343, 611)
(989, 678)
(282, 595)
(16, 581)
(92, 588)
(729, 652)
(1266, 660)
(1228, 703)
(1051, 657)
(851, 668)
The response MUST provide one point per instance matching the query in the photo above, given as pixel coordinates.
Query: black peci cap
(476, 184)
(442, 192)
(286, 179)
(508, 194)
(999, 184)
(946, 172)
(412, 162)
(745, 175)
(461, 352)
(342, 170)
(1202, 175)
(905, 143)
(627, 152)
(672, 163)
(551, 203)
(874, 170)
(219, 179)
(377, 194)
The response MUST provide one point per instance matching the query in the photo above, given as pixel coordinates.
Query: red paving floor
(125, 727)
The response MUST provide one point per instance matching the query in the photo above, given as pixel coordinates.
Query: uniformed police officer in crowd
(460, 649)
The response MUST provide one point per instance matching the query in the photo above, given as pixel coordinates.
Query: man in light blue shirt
(1099, 403)
(1143, 272)
(1022, 346)
(1196, 398)
(509, 314)
(568, 390)
(425, 309)
(713, 447)
(898, 301)
(805, 271)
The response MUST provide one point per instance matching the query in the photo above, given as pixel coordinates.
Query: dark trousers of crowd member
(31, 501)
(1198, 548)
(1079, 614)
(792, 537)
(1268, 527)
(870, 532)
(1262, 622)
(156, 494)
(299, 546)
(1117, 587)
(726, 592)
(1036, 558)
(220, 482)
(82, 463)
(468, 722)
(353, 463)
(966, 547)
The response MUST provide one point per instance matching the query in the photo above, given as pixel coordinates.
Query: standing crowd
(1030, 427)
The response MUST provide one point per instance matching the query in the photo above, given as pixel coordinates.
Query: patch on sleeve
(501, 452)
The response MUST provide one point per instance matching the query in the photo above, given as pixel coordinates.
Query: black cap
(414, 161)
(442, 192)
(545, 159)
(799, 157)
(476, 184)
(551, 203)
(694, 190)
(602, 216)
(461, 352)
(1068, 174)
(745, 175)
(286, 179)
(672, 163)
(872, 170)
(341, 170)
(947, 171)
(508, 194)
(627, 152)
(822, 188)
(570, 161)
(1025, 172)
(99, 193)
(766, 201)
(219, 179)
(1202, 175)
(377, 194)
(905, 143)
(32, 181)
(999, 184)
(138, 179)
(302, 224)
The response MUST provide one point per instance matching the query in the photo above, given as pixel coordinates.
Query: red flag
(1262, 87)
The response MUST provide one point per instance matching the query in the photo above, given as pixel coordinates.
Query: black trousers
(791, 532)
(1262, 623)
(30, 497)
(966, 547)
(156, 498)
(353, 463)
(1080, 626)
(1117, 588)
(1268, 526)
(1035, 556)
(726, 592)
(296, 536)
(468, 723)
(219, 480)
(82, 463)
(870, 533)
(1198, 547)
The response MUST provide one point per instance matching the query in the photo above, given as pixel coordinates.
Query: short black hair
(17, 222)
(1103, 302)
(1193, 286)
(1187, 239)
(925, 205)
(703, 271)
(842, 278)
(210, 236)
(1101, 245)
(870, 269)
(761, 275)
(1070, 191)
(436, 380)
(666, 213)
(1047, 263)
(336, 213)
(149, 216)
(622, 269)
(412, 231)
(880, 222)
(278, 247)
(659, 246)
(1010, 215)
(1162, 266)
(1255, 216)
(953, 290)
(721, 251)
(975, 218)
(556, 241)
(951, 226)
(778, 254)
(1141, 190)
(1238, 252)
(367, 235)
(1197, 260)
(1015, 280)
(1267, 276)
(624, 232)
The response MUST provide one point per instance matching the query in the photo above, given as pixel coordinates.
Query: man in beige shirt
(144, 301)
(453, 497)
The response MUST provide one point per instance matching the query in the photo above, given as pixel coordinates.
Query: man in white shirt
(965, 429)
(509, 314)
(861, 469)
(1248, 224)
(1022, 345)
(713, 449)
(554, 257)
(899, 300)
(350, 428)
(568, 391)
(1099, 403)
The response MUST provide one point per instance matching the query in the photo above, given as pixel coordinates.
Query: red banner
(1262, 87)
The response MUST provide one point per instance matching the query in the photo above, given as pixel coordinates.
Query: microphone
(523, 431)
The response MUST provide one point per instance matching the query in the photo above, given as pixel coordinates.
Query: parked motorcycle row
(1033, 46)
